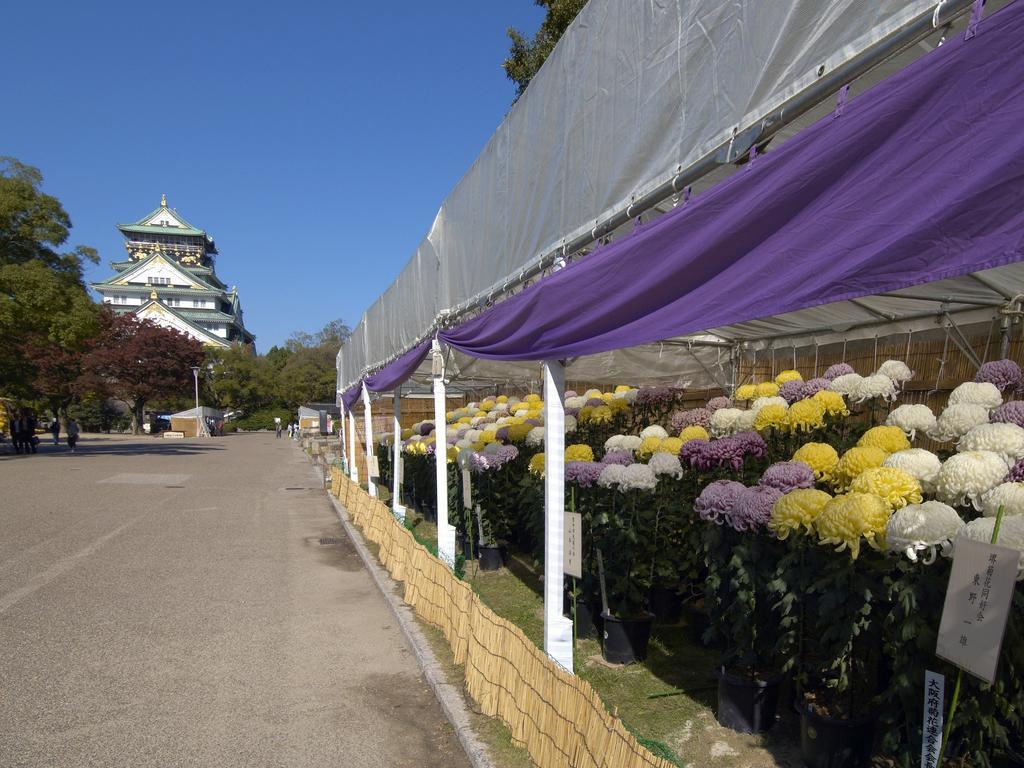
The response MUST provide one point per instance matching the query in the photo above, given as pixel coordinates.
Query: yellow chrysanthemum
(502, 398)
(618, 404)
(796, 511)
(648, 447)
(407, 433)
(671, 445)
(520, 409)
(622, 389)
(601, 415)
(770, 416)
(746, 392)
(480, 414)
(820, 457)
(477, 447)
(584, 415)
(533, 398)
(855, 461)
(694, 432)
(449, 416)
(889, 439)
(767, 389)
(534, 413)
(516, 420)
(537, 465)
(579, 452)
(832, 402)
(848, 518)
(487, 405)
(607, 397)
(805, 415)
(893, 486)
(452, 454)
(465, 420)
(488, 436)
(517, 432)
(785, 376)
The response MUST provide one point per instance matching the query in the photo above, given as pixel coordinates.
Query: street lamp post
(195, 375)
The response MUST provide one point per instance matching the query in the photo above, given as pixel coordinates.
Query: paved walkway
(168, 603)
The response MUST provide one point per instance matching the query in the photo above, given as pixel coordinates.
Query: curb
(448, 695)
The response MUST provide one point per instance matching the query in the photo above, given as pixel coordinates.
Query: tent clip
(841, 101)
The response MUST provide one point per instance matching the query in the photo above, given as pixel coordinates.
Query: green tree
(241, 380)
(525, 56)
(33, 225)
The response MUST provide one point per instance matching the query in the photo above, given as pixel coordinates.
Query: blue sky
(314, 140)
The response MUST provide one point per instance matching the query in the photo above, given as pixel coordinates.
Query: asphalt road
(169, 603)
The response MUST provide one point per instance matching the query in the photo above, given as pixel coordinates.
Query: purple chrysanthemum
(1005, 374)
(571, 393)
(659, 397)
(572, 412)
(793, 391)
(625, 458)
(485, 461)
(535, 422)
(751, 444)
(716, 501)
(813, 386)
(753, 507)
(463, 431)
(426, 428)
(700, 417)
(717, 403)
(594, 402)
(787, 476)
(583, 473)
(1017, 473)
(502, 434)
(837, 370)
(1011, 412)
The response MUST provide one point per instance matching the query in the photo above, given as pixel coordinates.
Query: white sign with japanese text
(573, 530)
(977, 606)
(467, 490)
(373, 468)
(931, 737)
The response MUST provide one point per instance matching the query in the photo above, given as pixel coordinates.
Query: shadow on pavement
(101, 446)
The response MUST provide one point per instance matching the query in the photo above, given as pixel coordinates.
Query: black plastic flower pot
(462, 543)
(625, 640)
(429, 512)
(830, 742)
(585, 626)
(666, 605)
(491, 558)
(746, 705)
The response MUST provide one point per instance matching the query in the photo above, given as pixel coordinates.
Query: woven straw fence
(557, 717)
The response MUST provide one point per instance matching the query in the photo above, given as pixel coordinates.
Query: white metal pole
(368, 428)
(445, 531)
(557, 628)
(353, 469)
(195, 375)
(396, 457)
(341, 433)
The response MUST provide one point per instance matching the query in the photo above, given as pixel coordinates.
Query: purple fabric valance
(398, 370)
(922, 178)
(350, 395)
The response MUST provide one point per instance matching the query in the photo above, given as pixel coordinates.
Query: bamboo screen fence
(557, 717)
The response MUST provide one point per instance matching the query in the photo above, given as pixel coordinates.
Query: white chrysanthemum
(611, 475)
(476, 421)
(966, 477)
(957, 420)
(535, 437)
(492, 448)
(918, 463)
(979, 393)
(500, 408)
(875, 385)
(896, 370)
(1005, 439)
(846, 383)
(570, 424)
(474, 406)
(921, 528)
(723, 421)
(464, 445)
(636, 477)
(654, 431)
(663, 463)
(630, 397)
(503, 421)
(1011, 534)
(575, 402)
(622, 443)
(744, 422)
(1009, 496)
(451, 431)
(474, 435)
(761, 402)
(912, 419)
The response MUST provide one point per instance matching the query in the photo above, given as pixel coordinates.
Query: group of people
(293, 428)
(25, 440)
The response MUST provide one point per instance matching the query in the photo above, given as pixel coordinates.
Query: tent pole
(371, 486)
(396, 457)
(353, 470)
(557, 628)
(341, 433)
(445, 531)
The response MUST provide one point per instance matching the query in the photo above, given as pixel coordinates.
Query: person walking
(55, 430)
(18, 432)
(277, 426)
(72, 430)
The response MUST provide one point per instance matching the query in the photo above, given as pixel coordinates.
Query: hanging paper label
(573, 552)
(467, 490)
(931, 737)
(977, 605)
(373, 467)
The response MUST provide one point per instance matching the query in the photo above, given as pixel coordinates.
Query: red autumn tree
(55, 371)
(137, 361)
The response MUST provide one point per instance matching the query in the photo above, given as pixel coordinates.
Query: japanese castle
(169, 278)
